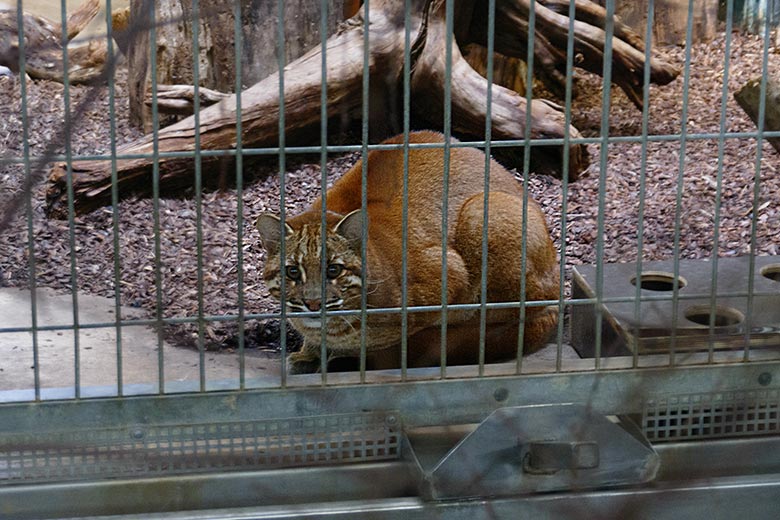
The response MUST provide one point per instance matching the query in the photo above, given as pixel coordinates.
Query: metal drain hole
(772, 272)
(658, 281)
(724, 316)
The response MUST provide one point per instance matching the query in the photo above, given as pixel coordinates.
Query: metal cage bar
(643, 166)
(599, 300)
(757, 179)
(280, 56)
(356, 427)
(491, 33)
(71, 212)
(526, 170)
(114, 199)
(323, 183)
(680, 178)
(240, 198)
(29, 210)
(156, 205)
(721, 157)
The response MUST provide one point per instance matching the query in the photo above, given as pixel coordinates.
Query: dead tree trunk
(216, 45)
(344, 81)
(671, 19)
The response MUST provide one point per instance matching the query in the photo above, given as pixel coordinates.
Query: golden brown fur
(424, 256)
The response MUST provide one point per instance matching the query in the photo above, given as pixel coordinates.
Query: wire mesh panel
(156, 450)
(713, 415)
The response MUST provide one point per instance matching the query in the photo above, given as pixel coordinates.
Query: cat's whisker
(349, 323)
(372, 291)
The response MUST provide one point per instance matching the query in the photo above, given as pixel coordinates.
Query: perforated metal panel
(712, 415)
(176, 449)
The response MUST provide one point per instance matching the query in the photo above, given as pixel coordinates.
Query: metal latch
(548, 457)
(528, 449)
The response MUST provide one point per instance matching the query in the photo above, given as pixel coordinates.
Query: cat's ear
(270, 228)
(351, 228)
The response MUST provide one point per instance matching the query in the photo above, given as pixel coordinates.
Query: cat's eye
(334, 270)
(293, 272)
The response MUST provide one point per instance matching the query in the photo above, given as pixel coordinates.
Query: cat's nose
(312, 305)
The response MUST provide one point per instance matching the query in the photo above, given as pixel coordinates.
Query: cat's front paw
(302, 363)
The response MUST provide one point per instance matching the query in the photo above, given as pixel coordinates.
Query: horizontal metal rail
(290, 150)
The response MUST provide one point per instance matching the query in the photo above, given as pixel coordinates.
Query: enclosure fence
(686, 349)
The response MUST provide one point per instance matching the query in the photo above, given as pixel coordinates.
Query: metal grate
(40, 367)
(712, 415)
(142, 451)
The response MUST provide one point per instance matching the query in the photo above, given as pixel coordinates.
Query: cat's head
(302, 266)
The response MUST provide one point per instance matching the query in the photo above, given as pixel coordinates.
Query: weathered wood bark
(180, 99)
(344, 79)
(43, 45)
(749, 98)
(508, 72)
(469, 92)
(216, 43)
(671, 19)
(550, 41)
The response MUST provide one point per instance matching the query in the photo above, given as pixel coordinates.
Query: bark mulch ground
(218, 294)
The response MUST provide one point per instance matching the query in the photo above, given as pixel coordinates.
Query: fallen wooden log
(344, 80)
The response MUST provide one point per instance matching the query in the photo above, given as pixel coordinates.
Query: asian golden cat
(303, 267)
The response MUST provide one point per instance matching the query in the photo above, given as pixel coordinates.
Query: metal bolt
(137, 433)
(501, 394)
(391, 419)
(764, 378)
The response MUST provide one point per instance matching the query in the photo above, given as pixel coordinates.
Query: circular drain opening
(660, 281)
(771, 271)
(724, 316)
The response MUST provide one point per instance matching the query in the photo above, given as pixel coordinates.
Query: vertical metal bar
(565, 181)
(449, 16)
(323, 183)
(609, 29)
(280, 59)
(757, 187)
(491, 31)
(114, 198)
(640, 230)
(364, 193)
(28, 202)
(198, 191)
(158, 282)
(405, 202)
(238, 47)
(529, 79)
(680, 182)
(71, 211)
(719, 179)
